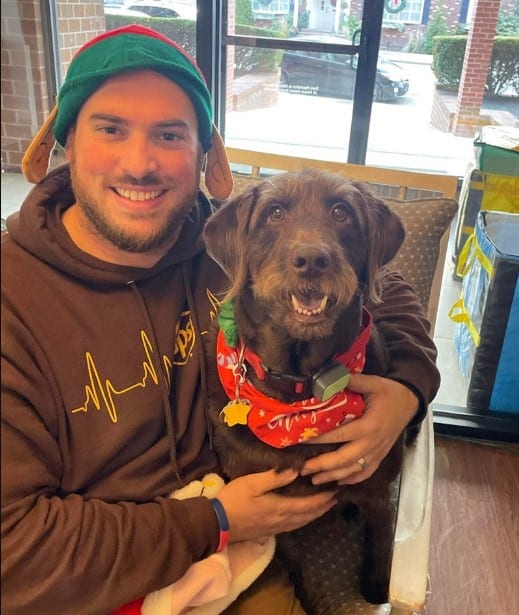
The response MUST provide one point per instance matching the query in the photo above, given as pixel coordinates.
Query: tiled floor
(452, 391)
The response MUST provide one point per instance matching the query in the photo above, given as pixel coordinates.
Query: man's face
(135, 160)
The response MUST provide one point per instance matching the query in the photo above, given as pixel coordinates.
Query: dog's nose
(310, 258)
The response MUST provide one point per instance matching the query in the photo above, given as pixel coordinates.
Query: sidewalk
(318, 127)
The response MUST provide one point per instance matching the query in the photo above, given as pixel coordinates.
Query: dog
(303, 251)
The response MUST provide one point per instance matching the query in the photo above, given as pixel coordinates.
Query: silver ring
(362, 463)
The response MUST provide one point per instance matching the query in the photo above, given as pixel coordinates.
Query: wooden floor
(474, 562)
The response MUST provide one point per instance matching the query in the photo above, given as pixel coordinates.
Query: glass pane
(289, 102)
(282, 18)
(259, 19)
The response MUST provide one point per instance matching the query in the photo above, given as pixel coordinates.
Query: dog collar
(281, 424)
(324, 383)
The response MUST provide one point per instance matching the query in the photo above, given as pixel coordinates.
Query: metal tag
(235, 412)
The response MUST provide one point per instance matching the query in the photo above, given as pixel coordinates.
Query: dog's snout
(310, 258)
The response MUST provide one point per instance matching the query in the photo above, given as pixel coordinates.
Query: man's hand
(254, 512)
(389, 406)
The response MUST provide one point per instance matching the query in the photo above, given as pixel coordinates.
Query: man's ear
(35, 161)
(218, 176)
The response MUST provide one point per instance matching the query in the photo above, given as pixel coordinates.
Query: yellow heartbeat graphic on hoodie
(98, 393)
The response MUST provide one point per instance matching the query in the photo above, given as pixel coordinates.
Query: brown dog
(302, 252)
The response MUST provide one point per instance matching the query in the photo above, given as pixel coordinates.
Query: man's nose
(139, 156)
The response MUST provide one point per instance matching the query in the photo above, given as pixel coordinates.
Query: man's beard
(124, 239)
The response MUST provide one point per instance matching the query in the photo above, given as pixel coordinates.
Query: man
(106, 294)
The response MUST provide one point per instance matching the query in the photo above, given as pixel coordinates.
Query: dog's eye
(276, 213)
(339, 212)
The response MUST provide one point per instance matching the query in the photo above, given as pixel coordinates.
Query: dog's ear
(386, 234)
(225, 236)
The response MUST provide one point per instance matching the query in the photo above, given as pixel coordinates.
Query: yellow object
(235, 412)
(500, 193)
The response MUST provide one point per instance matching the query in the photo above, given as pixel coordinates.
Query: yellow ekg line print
(98, 393)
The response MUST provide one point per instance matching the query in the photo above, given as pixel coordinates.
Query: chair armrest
(410, 565)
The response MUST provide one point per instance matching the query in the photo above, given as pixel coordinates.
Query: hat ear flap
(35, 161)
(218, 176)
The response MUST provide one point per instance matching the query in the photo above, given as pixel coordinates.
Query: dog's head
(304, 244)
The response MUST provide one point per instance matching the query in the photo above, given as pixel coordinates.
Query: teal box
(496, 150)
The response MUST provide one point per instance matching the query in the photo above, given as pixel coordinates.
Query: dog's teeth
(323, 303)
(305, 312)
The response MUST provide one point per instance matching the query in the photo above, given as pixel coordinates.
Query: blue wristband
(223, 523)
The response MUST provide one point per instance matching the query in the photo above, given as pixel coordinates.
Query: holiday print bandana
(280, 424)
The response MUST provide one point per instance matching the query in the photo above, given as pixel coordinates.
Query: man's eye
(276, 213)
(110, 130)
(170, 136)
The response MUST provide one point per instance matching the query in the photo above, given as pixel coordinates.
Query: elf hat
(123, 49)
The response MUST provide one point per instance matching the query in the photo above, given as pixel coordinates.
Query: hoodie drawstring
(186, 274)
(167, 402)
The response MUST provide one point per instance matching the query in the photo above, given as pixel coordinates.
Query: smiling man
(135, 168)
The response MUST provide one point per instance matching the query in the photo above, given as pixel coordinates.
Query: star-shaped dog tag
(235, 412)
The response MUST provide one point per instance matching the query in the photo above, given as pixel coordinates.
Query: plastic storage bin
(486, 337)
(491, 183)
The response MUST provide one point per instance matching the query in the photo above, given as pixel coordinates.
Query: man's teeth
(304, 311)
(134, 195)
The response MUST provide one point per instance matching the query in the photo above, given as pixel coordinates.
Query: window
(411, 13)
(270, 7)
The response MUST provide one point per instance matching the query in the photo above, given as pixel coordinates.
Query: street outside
(312, 126)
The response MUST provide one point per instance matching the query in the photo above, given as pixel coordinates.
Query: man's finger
(270, 480)
(364, 384)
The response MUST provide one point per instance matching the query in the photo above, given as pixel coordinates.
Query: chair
(426, 204)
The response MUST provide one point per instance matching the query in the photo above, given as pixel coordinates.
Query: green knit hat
(127, 48)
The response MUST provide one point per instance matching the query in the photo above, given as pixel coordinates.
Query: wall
(25, 98)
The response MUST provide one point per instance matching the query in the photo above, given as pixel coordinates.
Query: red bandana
(280, 424)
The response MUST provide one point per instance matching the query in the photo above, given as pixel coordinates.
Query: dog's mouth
(309, 304)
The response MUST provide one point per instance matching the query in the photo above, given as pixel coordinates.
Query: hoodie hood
(37, 227)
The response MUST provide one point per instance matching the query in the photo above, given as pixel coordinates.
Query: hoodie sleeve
(401, 320)
(69, 554)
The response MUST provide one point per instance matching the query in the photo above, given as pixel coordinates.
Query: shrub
(504, 65)
(183, 31)
(448, 53)
(507, 24)
(503, 73)
(437, 26)
(243, 12)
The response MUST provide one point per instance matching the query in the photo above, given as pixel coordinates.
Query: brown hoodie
(103, 410)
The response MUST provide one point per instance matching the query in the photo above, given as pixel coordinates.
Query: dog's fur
(309, 234)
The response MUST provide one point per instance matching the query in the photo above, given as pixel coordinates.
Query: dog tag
(235, 412)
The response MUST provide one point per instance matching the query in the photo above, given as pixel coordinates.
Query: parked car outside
(121, 10)
(333, 74)
(166, 10)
